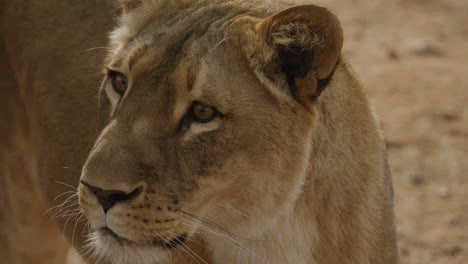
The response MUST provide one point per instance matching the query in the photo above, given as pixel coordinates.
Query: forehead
(170, 50)
(165, 56)
(170, 34)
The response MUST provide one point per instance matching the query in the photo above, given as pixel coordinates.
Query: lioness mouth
(114, 235)
(169, 245)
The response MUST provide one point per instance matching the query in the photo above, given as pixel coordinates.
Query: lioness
(229, 132)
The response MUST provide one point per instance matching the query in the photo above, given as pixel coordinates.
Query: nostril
(108, 198)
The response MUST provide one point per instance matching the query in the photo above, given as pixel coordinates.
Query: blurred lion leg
(26, 234)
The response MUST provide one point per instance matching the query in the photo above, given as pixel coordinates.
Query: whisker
(74, 228)
(95, 48)
(67, 192)
(66, 184)
(188, 250)
(65, 226)
(74, 193)
(87, 247)
(62, 208)
(229, 239)
(207, 221)
(166, 242)
(86, 229)
(194, 226)
(212, 49)
(241, 213)
(71, 213)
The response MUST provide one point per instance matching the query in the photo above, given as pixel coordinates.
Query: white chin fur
(105, 247)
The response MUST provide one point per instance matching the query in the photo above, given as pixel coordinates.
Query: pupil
(201, 108)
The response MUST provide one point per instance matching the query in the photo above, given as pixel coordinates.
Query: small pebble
(424, 48)
(417, 179)
(452, 251)
(443, 192)
(449, 116)
(392, 54)
(453, 221)
(404, 251)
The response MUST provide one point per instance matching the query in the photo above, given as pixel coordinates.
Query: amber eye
(202, 113)
(119, 82)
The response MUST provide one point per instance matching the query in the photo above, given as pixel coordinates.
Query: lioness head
(207, 113)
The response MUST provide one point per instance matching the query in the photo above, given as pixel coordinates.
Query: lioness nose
(108, 198)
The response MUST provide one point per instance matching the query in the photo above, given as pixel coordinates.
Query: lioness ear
(306, 42)
(128, 5)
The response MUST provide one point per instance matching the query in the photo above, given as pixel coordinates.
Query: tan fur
(293, 171)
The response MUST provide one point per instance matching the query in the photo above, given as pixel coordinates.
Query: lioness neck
(344, 212)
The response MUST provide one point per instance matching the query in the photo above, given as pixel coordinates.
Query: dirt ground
(412, 56)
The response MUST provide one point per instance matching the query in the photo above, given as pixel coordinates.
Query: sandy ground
(413, 58)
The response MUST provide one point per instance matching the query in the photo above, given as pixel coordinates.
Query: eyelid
(111, 73)
(107, 70)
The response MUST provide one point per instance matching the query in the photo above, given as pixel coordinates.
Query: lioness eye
(202, 113)
(119, 82)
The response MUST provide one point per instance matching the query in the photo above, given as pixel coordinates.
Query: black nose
(108, 198)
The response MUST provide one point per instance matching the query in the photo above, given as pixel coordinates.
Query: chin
(106, 246)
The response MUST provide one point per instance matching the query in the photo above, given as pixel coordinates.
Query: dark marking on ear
(322, 83)
(319, 84)
(307, 42)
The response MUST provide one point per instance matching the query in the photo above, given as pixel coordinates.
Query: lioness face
(190, 137)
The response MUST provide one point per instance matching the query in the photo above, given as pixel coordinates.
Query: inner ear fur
(306, 42)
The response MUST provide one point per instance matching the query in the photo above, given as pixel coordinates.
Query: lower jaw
(108, 232)
(123, 251)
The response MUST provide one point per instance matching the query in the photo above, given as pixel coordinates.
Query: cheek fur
(259, 183)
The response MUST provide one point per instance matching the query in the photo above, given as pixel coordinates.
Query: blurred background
(412, 56)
